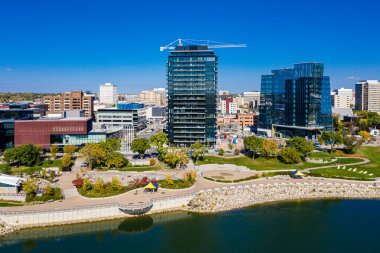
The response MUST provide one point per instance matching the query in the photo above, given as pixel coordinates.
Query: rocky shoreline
(238, 197)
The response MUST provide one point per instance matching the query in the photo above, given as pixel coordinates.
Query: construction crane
(208, 43)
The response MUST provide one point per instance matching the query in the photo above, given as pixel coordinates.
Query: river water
(303, 226)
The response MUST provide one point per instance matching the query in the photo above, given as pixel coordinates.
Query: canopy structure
(297, 173)
(150, 186)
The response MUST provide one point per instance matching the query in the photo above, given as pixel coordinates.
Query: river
(303, 226)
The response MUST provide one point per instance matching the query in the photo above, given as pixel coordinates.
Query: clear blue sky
(54, 46)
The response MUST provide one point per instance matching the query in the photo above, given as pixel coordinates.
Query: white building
(367, 96)
(108, 94)
(342, 98)
(156, 96)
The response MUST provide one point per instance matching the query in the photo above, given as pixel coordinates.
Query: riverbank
(238, 197)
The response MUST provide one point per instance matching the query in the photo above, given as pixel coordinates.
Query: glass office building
(295, 102)
(192, 95)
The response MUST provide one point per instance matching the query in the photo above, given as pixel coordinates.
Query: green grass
(53, 163)
(177, 184)
(373, 154)
(102, 194)
(262, 163)
(141, 168)
(323, 155)
(6, 203)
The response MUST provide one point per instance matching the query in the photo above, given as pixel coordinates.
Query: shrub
(290, 155)
(78, 183)
(237, 151)
(169, 179)
(152, 161)
(221, 152)
(116, 185)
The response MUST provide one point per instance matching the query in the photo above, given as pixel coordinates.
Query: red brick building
(42, 132)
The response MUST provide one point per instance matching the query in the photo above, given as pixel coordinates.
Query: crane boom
(208, 43)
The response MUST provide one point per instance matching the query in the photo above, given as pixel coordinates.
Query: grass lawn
(54, 163)
(323, 155)
(177, 184)
(373, 154)
(105, 193)
(141, 168)
(262, 163)
(5, 203)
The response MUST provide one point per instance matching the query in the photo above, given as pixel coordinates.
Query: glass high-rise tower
(295, 102)
(192, 95)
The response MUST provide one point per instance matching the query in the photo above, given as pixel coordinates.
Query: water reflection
(137, 224)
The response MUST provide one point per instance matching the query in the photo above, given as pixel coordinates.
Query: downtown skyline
(56, 47)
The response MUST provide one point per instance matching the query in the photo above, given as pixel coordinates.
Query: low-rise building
(10, 184)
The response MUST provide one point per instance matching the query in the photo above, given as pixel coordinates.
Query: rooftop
(11, 180)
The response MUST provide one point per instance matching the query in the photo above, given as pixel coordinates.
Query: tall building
(367, 96)
(153, 96)
(342, 98)
(73, 100)
(228, 105)
(295, 102)
(108, 94)
(253, 98)
(192, 95)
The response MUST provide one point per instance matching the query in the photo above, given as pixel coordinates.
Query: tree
(337, 123)
(365, 135)
(29, 186)
(169, 179)
(253, 144)
(27, 155)
(116, 160)
(190, 177)
(351, 144)
(290, 155)
(110, 145)
(303, 146)
(270, 148)
(93, 154)
(6, 169)
(140, 145)
(53, 151)
(176, 158)
(66, 161)
(43, 173)
(159, 139)
(363, 125)
(162, 153)
(221, 152)
(70, 149)
(116, 185)
(197, 151)
(78, 182)
(48, 191)
(86, 184)
(331, 138)
(99, 185)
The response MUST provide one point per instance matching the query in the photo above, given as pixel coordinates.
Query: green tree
(6, 169)
(29, 186)
(53, 151)
(198, 151)
(176, 158)
(351, 144)
(162, 153)
(70, 149)
(93, 154)
(66, 161)
(289, 155)
(116, 160)
(253, 144)
(116, 185)
(331, 138)
(159, 139)
(87, 184)
(48, 191)
(270, 148)
(337, 123)
(27, 155)
(110, 145)
(303, 146)
(99, 185)
(169, 179)
(140, 145)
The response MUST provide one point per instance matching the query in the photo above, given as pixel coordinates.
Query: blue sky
(55, 46)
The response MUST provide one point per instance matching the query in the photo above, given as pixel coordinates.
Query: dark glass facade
(296, 101)
(192, 95)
